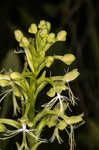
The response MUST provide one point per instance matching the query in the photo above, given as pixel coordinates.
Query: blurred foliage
(91, 137)
(80, 19)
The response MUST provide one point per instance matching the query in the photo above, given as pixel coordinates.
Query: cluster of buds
(43, 34)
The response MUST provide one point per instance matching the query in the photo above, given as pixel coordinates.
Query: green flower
(11, 133)
(58, 98)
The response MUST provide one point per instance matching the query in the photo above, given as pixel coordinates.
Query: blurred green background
(80, 18)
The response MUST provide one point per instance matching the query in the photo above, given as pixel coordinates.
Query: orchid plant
(26, 86)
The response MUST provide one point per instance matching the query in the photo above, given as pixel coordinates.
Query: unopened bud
(44, 33)
(33, 29)
(48, 25)
(42, 24)
(61, 36)
(71, 75)
(68, 58)
(24, 42)
(51, 38)
(18, 35)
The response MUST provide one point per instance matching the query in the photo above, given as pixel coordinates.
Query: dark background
(80, 18)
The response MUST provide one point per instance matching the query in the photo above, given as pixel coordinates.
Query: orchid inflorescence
(27, 85)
